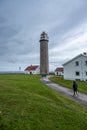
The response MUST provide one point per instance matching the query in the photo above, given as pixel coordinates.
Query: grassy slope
(27, 104)
(82, 86)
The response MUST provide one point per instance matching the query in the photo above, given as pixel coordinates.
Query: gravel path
(81, 98)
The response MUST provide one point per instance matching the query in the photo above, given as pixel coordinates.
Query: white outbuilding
(32, 69)
(59, 71)
(76, 68)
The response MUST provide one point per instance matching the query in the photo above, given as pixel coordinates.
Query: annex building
(76, 68)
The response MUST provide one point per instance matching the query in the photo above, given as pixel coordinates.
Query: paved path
(82, 98)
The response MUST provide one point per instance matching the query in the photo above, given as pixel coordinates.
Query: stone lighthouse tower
(44, 63)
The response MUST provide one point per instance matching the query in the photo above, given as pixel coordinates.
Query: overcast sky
(22, 22)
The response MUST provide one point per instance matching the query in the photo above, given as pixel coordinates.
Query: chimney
(84, 53)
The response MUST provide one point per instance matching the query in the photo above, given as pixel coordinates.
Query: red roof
(31, 68)
(59, 69)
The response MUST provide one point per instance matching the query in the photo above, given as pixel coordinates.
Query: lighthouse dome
(44, 36)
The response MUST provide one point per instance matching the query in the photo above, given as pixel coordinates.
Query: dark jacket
(75, 87)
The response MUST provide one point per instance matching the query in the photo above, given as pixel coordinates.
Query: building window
(77, 73)
(86, 62)
(86, 73)
(77, 63)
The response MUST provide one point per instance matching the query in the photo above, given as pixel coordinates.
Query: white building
(59, 71)
(76, 68)
(32, 70)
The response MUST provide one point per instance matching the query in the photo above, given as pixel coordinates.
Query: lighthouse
(44, 62)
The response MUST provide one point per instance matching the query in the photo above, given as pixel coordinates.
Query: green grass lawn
(82, 86)
(27, 104)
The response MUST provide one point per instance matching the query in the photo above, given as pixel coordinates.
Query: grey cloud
(8, 32)
(11, 60)
(3, 51)
(16, 47)
(2, 20)
(76, 17)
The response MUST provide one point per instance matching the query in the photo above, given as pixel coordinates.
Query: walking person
(75, 88)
